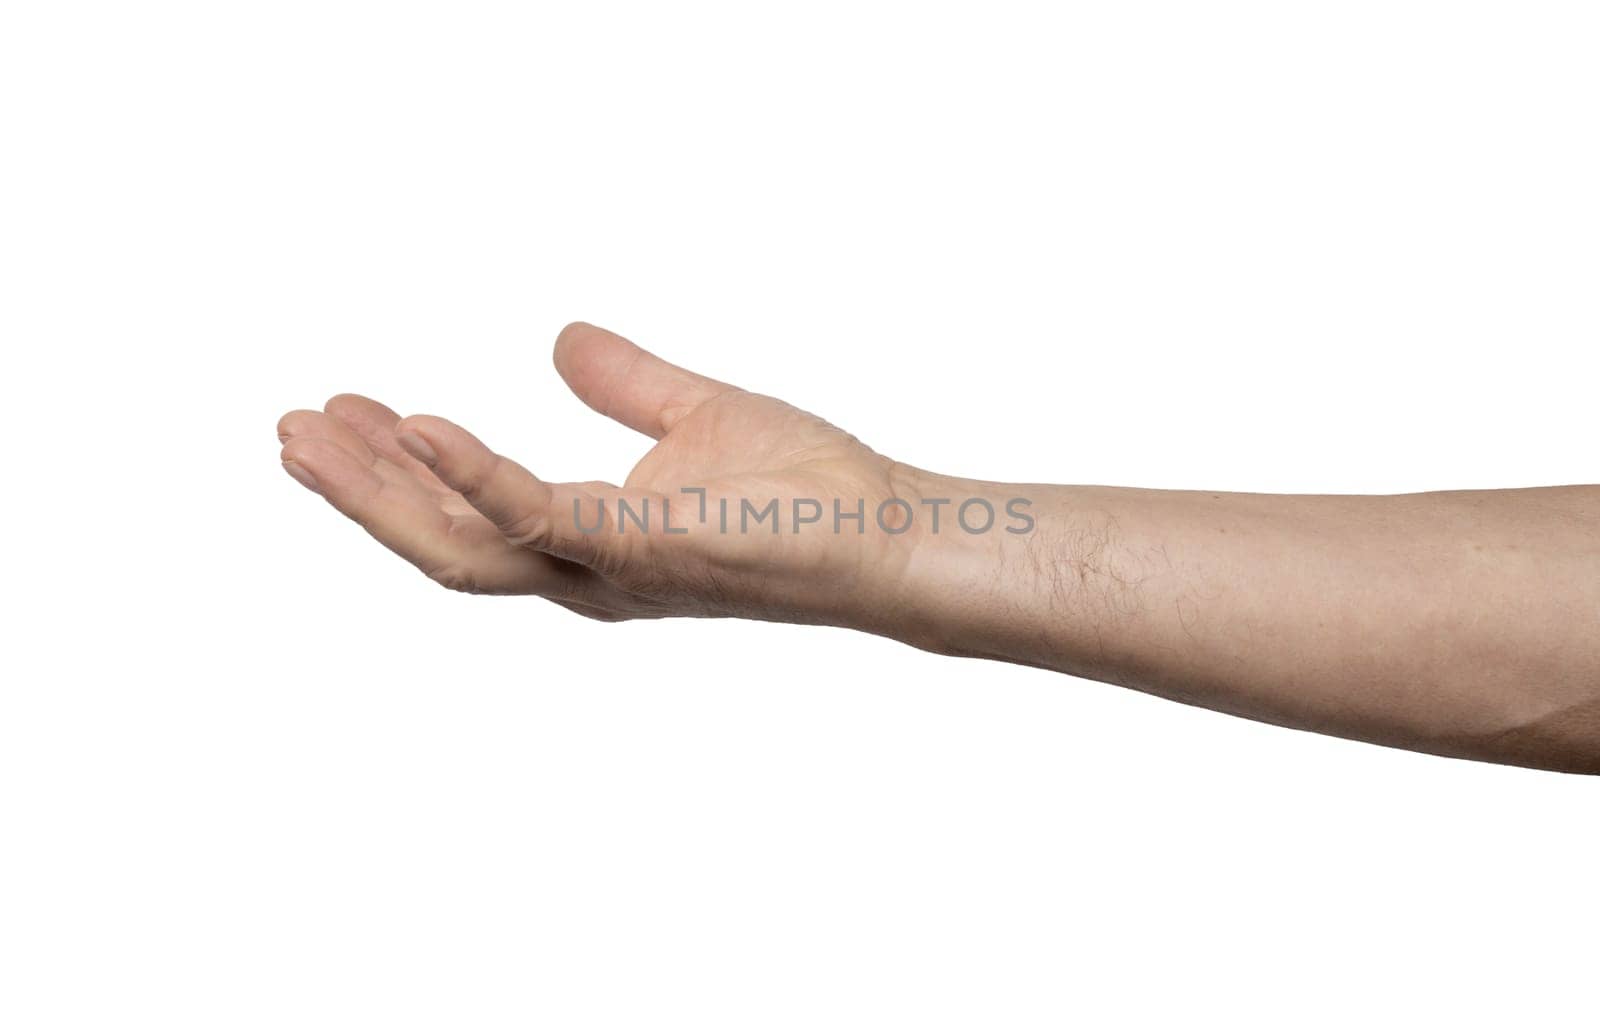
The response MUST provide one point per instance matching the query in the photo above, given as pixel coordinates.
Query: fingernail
(301, 476)
(418, 448)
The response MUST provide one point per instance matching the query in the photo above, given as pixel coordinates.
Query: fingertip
(306, 449)
(416, 445)
(449, 451)
(302, 475)
(578, 344)
(561, 352)
(572, 331)
(297, 457)
(438, 431)
(356, 407)
(432, 427)
(324, 459)
(414, 422)
(294, 423)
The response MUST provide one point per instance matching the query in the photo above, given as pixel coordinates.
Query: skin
(1458, 623)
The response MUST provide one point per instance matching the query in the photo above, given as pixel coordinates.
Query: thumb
(621, 380)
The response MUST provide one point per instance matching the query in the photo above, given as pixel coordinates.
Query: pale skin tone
(1461, 623)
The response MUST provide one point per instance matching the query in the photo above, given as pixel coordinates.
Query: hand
(476, 521)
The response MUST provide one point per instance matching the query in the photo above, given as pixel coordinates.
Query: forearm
(1461, 623)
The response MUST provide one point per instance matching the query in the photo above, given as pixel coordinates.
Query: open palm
(479, 522)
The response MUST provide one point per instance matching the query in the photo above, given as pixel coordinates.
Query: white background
(253, 767)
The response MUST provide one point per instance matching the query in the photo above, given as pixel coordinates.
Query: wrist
(960, 580)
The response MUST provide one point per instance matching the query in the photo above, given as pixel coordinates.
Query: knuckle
(470, 485)
(473, 480)
(529, 530)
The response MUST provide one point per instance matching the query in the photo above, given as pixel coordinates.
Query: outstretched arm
(1461, 623)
